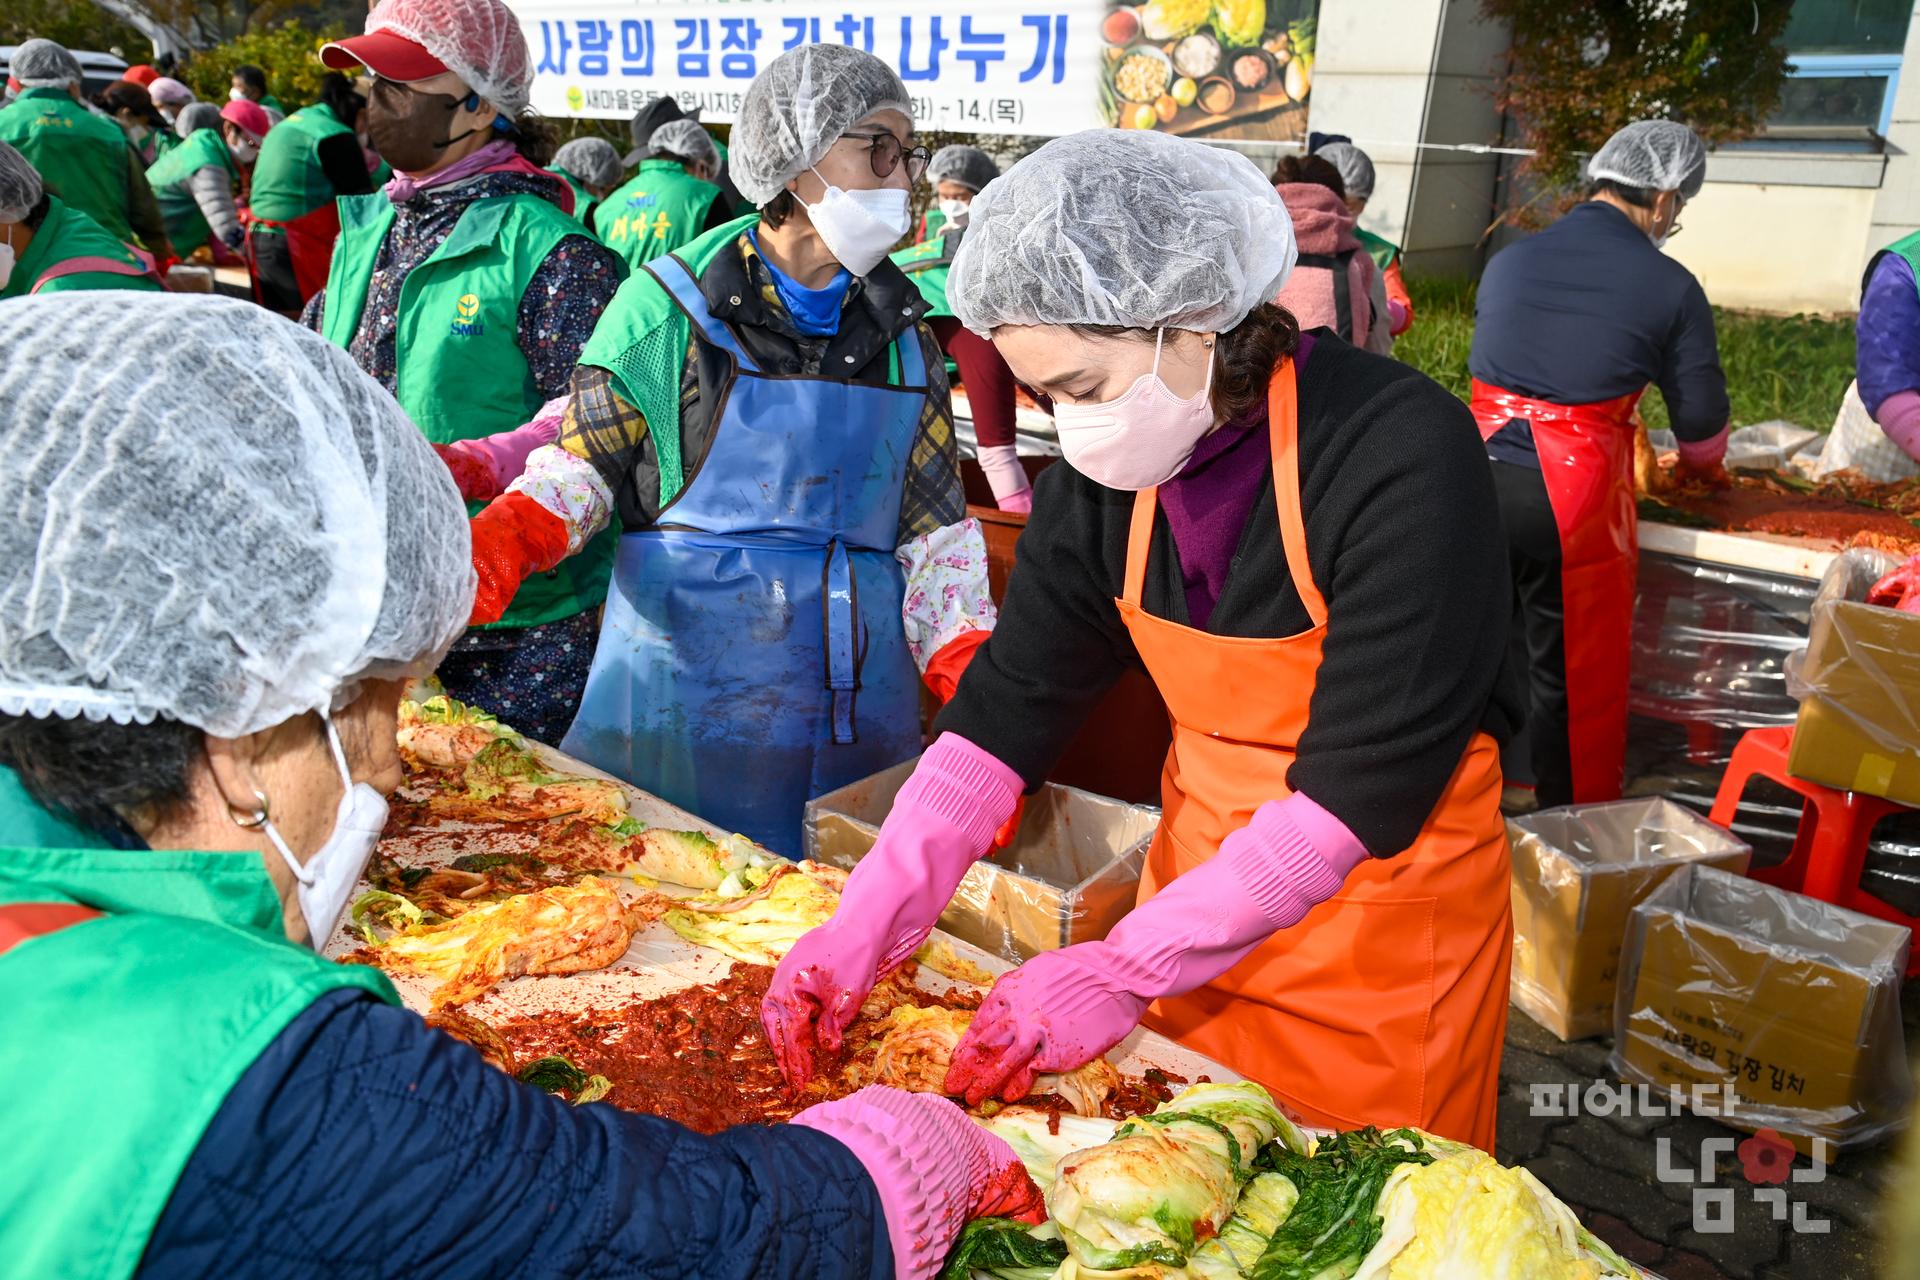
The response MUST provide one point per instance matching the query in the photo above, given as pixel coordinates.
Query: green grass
(1791, 367)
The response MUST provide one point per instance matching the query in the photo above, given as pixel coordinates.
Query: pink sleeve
(1704, 453)
(1899, 417)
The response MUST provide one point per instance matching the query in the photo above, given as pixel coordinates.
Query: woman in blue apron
(768, 417)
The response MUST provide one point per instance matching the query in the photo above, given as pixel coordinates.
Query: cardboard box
(1790, 1006)
(1577, 872)
(1071, 874)
(1859, 725)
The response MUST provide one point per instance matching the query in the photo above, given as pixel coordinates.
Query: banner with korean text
(1218, 68)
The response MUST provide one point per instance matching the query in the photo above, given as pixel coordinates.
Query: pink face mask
(1141, 439)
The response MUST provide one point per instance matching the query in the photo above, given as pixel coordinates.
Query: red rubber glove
(1899, 589)
(472, 476)
(1062, 1009)
(513, 538)
(943, 819)
(945, 668)
(934, 1168)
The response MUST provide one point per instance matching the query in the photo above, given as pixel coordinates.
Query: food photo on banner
(1239, 69)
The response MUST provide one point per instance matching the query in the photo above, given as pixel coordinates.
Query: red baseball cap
(250, 116)
(387, 55)
(141, 74)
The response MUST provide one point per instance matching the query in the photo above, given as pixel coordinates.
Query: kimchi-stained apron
(752, 656)
(1387, 1004)
(1586, 460)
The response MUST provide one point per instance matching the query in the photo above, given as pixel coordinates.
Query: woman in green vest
(592, 168)
(767, 418)
(307, 161)
(250, 85)
(83, 158)
(134, 112)
(467, 290)
(195, 182)
(958, 174)
(194, 765)
(47, 247)
(671, 201)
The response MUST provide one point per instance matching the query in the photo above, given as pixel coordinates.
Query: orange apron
(1387, 1005)
(1586, 462)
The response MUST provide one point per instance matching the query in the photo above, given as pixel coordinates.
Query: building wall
(1775, 246)
(1397, 74)
(1897, 210)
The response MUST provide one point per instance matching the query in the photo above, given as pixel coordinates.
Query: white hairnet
(211, 514)
(20, 185)
(1655, 155)
(168, 92)
(685, 140)
(592, 160)
(42, 64)
(1123, 227)
(969, 166)
(1356, 169)
(799, 105)
(479, 40)
(196, 116)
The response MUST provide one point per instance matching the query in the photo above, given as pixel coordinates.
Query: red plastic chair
(1830, 847)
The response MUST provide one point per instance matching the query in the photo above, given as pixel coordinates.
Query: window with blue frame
(1844, 65)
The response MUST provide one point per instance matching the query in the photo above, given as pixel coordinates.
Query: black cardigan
(1405, 544)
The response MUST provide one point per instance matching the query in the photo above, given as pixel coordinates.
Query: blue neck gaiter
(815, 312)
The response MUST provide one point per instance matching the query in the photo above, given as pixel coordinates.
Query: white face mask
(6, 257)
(245, 152)
(1143, 438)
(860, 226)
(326, 882)
(236, 95)
(168, 116)
(956, 211)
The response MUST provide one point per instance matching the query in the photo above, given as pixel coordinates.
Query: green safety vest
(81, 157)
(460, 372)
(660, 210)
(186, 226)
(270, 103)
(1381, 250)
(582, 198)
(1907, 246)
(122, 1034)
(65, 234)
(288, 181)
(927, 265)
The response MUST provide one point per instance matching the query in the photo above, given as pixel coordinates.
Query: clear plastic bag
(1858, 682)
(1577, 872)
(1784, 1009)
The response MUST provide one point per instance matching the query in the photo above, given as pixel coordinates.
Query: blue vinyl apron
(753, 654)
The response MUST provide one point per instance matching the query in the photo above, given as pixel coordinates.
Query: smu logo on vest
(466, 317)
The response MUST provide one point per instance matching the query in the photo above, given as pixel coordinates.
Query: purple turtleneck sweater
(1208, 503)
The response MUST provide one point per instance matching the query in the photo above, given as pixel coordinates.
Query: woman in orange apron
(1298, 542)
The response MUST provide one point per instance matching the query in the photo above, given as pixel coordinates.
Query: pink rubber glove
(1899, 416)
(934, 1168)
(943, 820)
(1012, 491)
(1704, 455)
(483, 468)
(1064, 1008)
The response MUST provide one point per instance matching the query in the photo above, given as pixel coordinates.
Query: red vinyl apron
(310, 241)
(1586, 460)
(1387, 1004)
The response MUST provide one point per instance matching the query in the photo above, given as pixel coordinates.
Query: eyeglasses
(885, 153)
